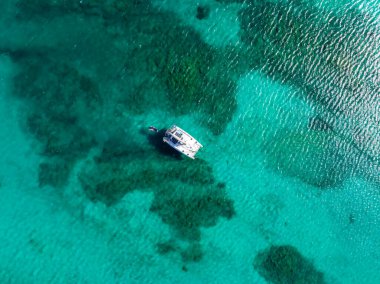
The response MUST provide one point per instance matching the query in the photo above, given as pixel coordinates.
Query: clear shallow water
(284, 96)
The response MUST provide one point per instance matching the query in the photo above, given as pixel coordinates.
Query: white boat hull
(182, 141)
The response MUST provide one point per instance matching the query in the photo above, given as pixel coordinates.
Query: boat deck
(182, 141)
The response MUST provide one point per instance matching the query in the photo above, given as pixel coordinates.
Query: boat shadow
(155, 139)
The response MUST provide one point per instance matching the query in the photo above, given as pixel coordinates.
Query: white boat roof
(182, 141)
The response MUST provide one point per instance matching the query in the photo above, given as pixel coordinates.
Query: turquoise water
(284, 96)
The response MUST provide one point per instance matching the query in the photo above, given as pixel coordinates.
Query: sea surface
(283, 95)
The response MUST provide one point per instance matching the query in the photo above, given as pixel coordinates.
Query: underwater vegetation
(186, 71)
(189, 71)
(112, 176)
(56, 95)
(192, 253)
(202, 12)
(332, 59)
(189, 75)
(186, 195)
(68, 105)
(54, 173)
(85, 95)
(193, 84)
(284, 264)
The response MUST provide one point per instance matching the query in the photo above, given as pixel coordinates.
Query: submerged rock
(284, 264)
(167, 247)
(202, 12)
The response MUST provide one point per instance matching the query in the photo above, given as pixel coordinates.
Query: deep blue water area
(283, 95)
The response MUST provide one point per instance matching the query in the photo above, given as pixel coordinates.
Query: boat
(182, 141)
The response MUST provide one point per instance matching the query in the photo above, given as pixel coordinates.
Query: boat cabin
(182, 141)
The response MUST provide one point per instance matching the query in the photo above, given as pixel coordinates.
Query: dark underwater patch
(318, 123)
(166, 247)
(321, 53)
(191, 73)
(284, 264)
(310, 156)
(186, 195)
(202, 12)
(56, 94)
(37, 245)
(165, 65)
(54, 173)
(193, 252)
(288, 38)
(41, 9)
(297, 43)
(66, 105)
(191, 79)
(188, 214)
